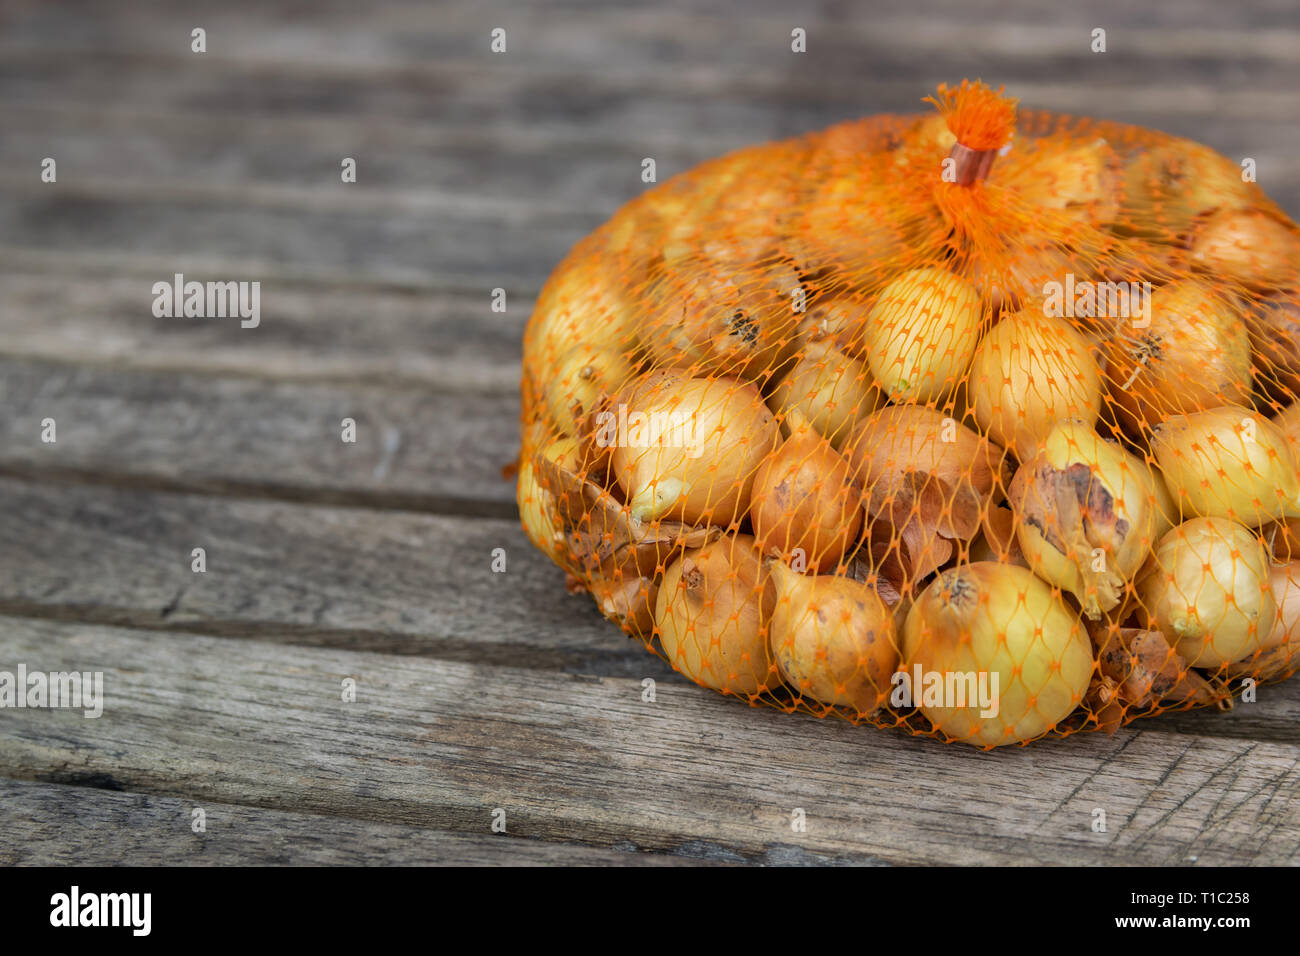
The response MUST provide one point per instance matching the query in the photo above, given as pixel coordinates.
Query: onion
(1288, 423)
(710, 614)
(826, 391)
(1086, 515)
(585, 300)
(1275, 337)
(999, 620)
(1208, 591)
(806, 500)
(1013, 278)
(997, 538)
(1230, 463)
(1193, 354)
(1080, 180)
(1279, 653)
(689, 448)
(1029, 372)
(1169, 185)
(584, 378)
(1249, 245)
(628, 600)
(538, 513)
(921, 333)
(833, 639)
(738, 321)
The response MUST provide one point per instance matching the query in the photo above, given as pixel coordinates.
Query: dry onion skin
(1030, 372)
(833, 639)
(1087, 515)
(807, 506)
(1231, 463)
(691, 448)
(711, 613)
(1208, 590)
(822, 391)
(998, 618)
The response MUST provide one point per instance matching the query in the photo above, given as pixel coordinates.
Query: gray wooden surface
(476, 691)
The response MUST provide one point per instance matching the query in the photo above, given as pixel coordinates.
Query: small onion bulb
(1208, 591)
(998, 619)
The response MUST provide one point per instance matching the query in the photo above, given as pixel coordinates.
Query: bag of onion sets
(981, 423)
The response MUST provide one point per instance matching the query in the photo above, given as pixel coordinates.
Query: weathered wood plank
(440, 339)
(352, 579)
(442, 744)
(51, 825)
(394, 582)
(416, 447)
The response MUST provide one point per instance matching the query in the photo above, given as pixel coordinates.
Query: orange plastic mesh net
(981, 423)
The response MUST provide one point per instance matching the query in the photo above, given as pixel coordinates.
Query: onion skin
(1249, 245)
(1167, 186)
(833, 639)
(806, 499)
(583, 379)
(711, 613)
(921, 333)
(1194, 354)
(1288, 423)
(704, 470)
(1077, 495)
(827, 391)
(1214, 467)
(1029, 372)
(1275, 339)
(1000, 618)
(538, 514)
(1208, 591)
(1279, 653)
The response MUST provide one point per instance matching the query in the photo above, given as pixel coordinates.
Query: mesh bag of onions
(981, 423)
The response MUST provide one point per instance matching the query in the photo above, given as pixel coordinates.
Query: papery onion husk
(1029, 372)
(628, 600)
(927, 478)
(999, 618)
(711, 614)
(833, 639)
(1252, 246)
(1085, 515)
(921, 334)
(692, 452)
(1207, 590)
(997, 538)
(584, 379)
(806, 504)
(825, 390)
(1229, 462)
(1279, 653)
(1193, 353)
(1146, 671)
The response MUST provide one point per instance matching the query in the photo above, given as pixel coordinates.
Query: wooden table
(371, 561)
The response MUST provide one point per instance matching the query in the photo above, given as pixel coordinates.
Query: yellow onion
(1166, 509)
(1208, 591)
(1249, 245)
(1086, 520)
(1275, 337)
(825, 390)
(1082, 180)
(688, 448)
(921, 333)
(721, 318)
(1279, 653)
(710, 614)
(806, 503)
(1230, 463)
(1029, 372)
(581, 381)
(1167, 186)
(1014, 278)
(1288, 423)
(585, 300)
(833, 639)
(538, 513)
(997, 619)
(1194, 353)
(838, 319)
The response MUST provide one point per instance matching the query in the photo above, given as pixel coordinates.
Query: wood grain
(589, 762)
(86, 826)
